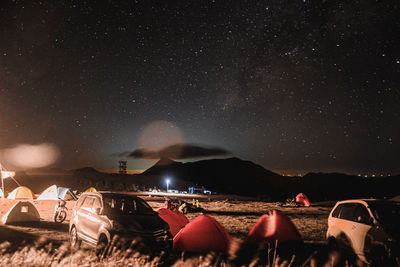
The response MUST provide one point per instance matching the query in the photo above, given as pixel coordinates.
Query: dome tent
(91, 189)
(21, 192)
(203, 234)
(55, 193)
(21, 211)
(272, 227)
(302, 200)
(175, 220)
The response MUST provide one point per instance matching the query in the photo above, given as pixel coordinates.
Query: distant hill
(236, 176)
(163, 166)
(86, 170)
(230, 176)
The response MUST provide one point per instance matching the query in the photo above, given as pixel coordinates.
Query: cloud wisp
(177, 151)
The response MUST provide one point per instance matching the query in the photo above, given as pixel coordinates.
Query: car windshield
(386, 213)
(126, 205)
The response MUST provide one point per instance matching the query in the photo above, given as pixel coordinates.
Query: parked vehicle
(100, 218)
(367, 228)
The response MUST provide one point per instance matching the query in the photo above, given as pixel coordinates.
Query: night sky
(294, 86)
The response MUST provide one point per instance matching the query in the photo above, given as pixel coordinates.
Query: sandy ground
(236, 216)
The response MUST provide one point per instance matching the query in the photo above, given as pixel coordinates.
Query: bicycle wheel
(60, 216)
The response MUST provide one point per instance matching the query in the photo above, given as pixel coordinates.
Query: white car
(368, 228)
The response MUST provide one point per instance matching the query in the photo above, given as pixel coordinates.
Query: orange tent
(91, 189)
(175, 220)
(21, 192)
(302, 200)
(271, 227)
(203, 234)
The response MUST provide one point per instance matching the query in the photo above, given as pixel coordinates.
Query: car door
(84, 221)
(93, 220)
(345, 224)
(362, 224)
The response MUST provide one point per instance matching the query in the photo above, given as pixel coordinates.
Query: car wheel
(332, 244)
(74, 239)
(102, 247)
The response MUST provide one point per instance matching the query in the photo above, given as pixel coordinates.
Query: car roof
(366, 201)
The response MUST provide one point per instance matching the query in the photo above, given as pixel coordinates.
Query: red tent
(203, 234)
(302, 200)
(273, 226)
(175, 220)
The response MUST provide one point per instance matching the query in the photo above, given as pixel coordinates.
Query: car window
(97, 203)
(88, 203)
(361, 214)
(80, 201)
(142, 207)
(126, 205)
(347, 211)
(336, 212)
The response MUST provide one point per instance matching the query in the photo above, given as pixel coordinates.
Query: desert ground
(237, 216)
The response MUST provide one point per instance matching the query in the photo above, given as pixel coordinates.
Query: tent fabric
(203, 234)
(175, 220)
(272, 227)
(49, 193)
(1, 193)
(55, 193)
(302, 200)
(46, 208)
(5, 205)
(21, 211)
(21, 192)
(91, 189)
(63, 193)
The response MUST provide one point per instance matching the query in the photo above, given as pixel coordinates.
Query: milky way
(295, 86)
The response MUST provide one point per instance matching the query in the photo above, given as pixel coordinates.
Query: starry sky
(294, 86)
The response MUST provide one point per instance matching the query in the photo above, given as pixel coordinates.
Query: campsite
(236, 216)
(229, 228)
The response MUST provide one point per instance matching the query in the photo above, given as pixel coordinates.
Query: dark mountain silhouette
(162, 166)
(86, 170)
(229, 176)
(236, 176)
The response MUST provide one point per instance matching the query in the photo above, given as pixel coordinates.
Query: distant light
(167, 181)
